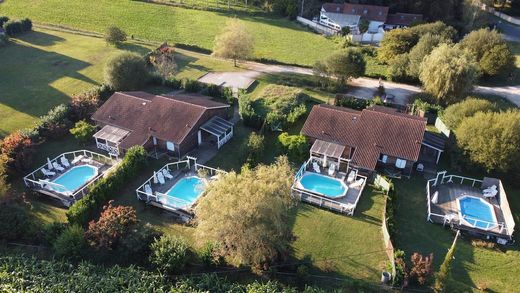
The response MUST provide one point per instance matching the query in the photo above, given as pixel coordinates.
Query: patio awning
(328, 149)
(433, 141)
(112, 134)
(217, 126)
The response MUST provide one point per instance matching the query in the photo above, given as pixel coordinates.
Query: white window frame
(400, 163)
(170, 146)
(383, 159)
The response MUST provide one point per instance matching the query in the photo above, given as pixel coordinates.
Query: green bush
(248, 113)
(126, 71)
(255, 149)
(191, 85)
(208, 255)
(55, 123)
(4, 39)
(114, 35)
(456, 113)
(15, 222)
(88, 207)
(71, 244)
(16, 27)
(352, 102)
(83, 131)
(3, 20)
(169, 254)
(295, 146)
(51, 231)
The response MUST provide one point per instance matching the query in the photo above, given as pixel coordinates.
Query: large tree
(345, 64)
(489, 49)
(235, 42)
(491, 139)
(251, 226)
(454, 114)
(423, 48)
(126, 71)
(448, 73)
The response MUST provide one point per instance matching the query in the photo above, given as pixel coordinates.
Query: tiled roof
(169, 118)
(405, 19)
(370, 12)
(371, 132)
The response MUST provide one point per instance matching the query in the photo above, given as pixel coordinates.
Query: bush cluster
(89, 206)
(169, 254)
(352, 102)
(16, 27)
(295, 146)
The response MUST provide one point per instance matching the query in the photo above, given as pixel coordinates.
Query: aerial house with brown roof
(377, 138)
(160, 123)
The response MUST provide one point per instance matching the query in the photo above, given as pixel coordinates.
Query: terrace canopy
(434, 142)
(327, 149)
(220, 128)
(109, 137)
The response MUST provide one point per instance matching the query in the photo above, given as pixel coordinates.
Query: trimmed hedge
(87, 208)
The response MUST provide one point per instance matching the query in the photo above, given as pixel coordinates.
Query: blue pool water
(188, 189)
(74, 178)
(323, 185)
(477, 212)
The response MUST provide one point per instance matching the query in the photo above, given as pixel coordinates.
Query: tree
(421, 268)
(295, 146)
(251, 227)
(456, 113)
(126, 71)
(489, 49)
(395, 43)
(255, 148)
(423, 48)
(169, 254)
(235, 42)
(113, 224)
(444, 270)
(83, 105)
(399, 67)
(491, 139)
(18, 150)
(448, 73)
(363, 25)
(114, 35)
(83, 131)
(345, 64)
(71, 244)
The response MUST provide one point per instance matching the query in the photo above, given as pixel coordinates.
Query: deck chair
(357, 183)
(316, 167)
(47, 172)
(65, 162)
(167, 174)
(77, 159)
(332, 169)
(58, 167)
(351, 176)
(160, 178)
(490, 193)
(148, 189)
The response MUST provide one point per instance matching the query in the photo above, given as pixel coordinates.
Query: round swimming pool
(74, 178)
(187, 189)
(324, 185)
(477, 212)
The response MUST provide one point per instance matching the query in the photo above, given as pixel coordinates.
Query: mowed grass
(276, 38)
(473, 267)
(43, 68)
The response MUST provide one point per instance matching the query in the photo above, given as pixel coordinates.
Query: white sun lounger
(77, 159)
(57, 167)
(148, 189)
(332, 169)
(167, 174)
(358, 182)
(65, 162)
(47, 172)
(160, 178)
(351, 176)
(316, 167)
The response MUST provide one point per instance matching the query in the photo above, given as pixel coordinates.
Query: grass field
(275, 38)
(473, 267)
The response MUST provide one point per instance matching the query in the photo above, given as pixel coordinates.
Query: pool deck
(447, 205)
(169, 183)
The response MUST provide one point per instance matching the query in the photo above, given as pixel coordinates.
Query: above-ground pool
(324, 185)
(477, 212)
(74, 178)
(187, 189)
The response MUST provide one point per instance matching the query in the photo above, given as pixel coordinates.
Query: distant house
(172, 124)
(337, 16)
(377, 138)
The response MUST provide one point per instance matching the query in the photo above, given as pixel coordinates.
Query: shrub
(255, 148)
(207, 254)
(126, 71)
(3, 20)
(83, 131)
(281, 104)
(85, 104)
(114, 35)
(173, 83)
(352, 102)
(296, 113)
(26, 24)
(248, 113)
(295, 146)
(456, 113)
(191, 85)
(401, 274)
(169, 253)
(85, 209)
(15, 221)
(134, 247)
(18, 150)
(4, 39)
(421, 268)
(71, 244)
(51, 231)
(16, 27)
(55, 123)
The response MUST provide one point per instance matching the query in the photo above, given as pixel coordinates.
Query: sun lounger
(490, 194)
(65, 162)
(58, 167)
(148, 189)
(316, 167)
(87, 161)
(47, 172)
(160, 178)
(77, 159)
(351, 176)
(167, 174)
(358, 182)
(332, 169)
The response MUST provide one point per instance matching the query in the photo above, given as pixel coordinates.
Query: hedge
(88, 207)
(16, 27)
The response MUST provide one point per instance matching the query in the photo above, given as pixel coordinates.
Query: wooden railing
(226, 138)
(111, 149)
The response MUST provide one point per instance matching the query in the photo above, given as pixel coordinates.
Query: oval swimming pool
(477, 212)
(187, 189)
(74, 178)
(323, 185)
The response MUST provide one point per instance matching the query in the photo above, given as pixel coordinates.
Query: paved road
(510, 31)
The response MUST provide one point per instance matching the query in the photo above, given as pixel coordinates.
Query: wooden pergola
(109, 138)
(327, 150)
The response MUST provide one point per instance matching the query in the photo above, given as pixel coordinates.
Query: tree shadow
(39, 38)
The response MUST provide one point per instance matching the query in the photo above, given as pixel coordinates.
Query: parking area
(235, 80)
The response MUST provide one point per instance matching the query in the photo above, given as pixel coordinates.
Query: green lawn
(473, 267)
(276, 38)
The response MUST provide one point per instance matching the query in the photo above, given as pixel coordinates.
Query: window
(170, 146)
(383, 158)
(399, 163)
